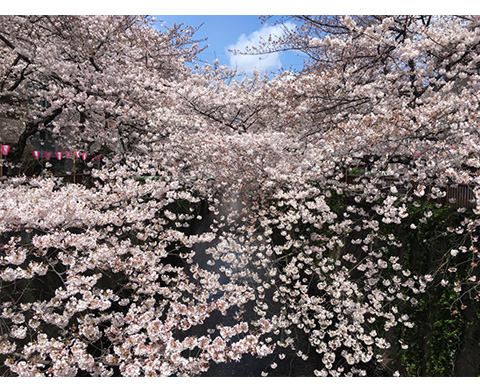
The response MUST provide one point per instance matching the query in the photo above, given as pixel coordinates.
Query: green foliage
(354, 171)
(436, 339)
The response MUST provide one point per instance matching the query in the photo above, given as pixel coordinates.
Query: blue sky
(224, 32)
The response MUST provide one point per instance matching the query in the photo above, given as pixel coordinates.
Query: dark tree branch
(32, 128)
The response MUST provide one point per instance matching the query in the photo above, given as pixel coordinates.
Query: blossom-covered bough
(278, 218)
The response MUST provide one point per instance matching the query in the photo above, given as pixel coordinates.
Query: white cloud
(263, 62)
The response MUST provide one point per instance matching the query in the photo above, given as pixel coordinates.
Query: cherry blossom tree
(395, 100)
(272, 218)
(95, 83)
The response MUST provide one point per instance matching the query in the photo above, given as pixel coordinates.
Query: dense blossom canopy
(238, 216)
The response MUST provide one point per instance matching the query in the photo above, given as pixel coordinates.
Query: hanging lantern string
(3, 152)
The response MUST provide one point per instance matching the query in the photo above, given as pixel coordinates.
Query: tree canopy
(312, 214)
